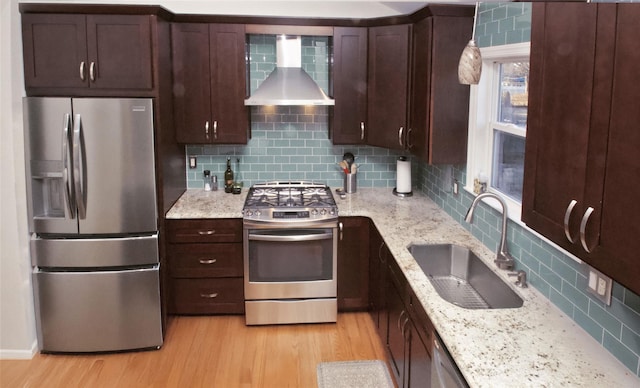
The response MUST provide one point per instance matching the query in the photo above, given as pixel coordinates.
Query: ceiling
(356, 9)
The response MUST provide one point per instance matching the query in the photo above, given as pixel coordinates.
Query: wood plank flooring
(210, 351)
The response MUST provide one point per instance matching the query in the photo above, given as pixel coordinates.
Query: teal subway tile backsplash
(292, 143)
(503, 23)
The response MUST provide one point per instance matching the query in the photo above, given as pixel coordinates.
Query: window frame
(482, 107)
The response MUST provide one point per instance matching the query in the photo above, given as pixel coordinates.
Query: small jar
(207, 180)
(214, 183)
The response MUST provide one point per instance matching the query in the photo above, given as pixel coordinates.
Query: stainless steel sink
(461, 278)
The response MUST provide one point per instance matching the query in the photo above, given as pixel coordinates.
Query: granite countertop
(536, 345)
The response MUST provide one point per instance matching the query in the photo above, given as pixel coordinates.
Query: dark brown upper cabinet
(349, 123)
(66, 54)
(439, 106)
(209, 76)
(581, 162)
(388, 86)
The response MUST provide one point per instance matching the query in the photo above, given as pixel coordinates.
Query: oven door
(288, 262)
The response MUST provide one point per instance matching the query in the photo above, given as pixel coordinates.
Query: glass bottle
(207, 180)
(228, 177)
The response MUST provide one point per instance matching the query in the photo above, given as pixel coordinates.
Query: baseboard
(19, 354)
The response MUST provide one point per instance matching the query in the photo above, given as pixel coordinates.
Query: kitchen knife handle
(83, 65)
(92, 71)
(583, 229)
(567, 216)
(362, 130)
(208, 261)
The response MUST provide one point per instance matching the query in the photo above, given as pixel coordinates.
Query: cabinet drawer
(205, 260)
(207, 296)
(203, 231)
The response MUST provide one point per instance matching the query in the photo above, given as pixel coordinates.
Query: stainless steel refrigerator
(93, 222)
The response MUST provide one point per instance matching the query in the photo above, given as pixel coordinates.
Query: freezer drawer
(94, 252)
(98, 311)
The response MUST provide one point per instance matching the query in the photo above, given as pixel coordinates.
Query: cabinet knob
(567, 216)
(583, 229)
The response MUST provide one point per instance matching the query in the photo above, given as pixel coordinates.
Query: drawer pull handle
(209, 296)
(583, 229)
(208, 261)
(206, 232)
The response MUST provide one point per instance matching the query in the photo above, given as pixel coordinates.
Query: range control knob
(314, 212)
(258, 213)
(248, 213)
(323, 212)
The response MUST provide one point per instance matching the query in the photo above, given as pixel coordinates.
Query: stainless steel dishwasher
(444, 372)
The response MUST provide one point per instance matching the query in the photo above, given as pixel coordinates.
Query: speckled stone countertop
(536, 345)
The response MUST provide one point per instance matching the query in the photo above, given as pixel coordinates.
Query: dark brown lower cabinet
(409, 332)
(353, 264)
(205, 267)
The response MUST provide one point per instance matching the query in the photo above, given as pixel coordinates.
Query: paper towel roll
(403, 176)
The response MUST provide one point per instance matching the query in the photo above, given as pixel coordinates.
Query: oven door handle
(301, 237)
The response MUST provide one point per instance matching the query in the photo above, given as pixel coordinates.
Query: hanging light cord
(475, 15)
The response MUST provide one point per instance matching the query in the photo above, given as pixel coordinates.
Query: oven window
(290, 255)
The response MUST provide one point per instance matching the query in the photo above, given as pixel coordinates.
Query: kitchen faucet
(503, 260)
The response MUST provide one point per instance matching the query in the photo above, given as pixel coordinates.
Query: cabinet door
(616, 252)
(439, 103)
(55, 50)
(353, 264)
(191, 82)
(349, 85)
(228, 84)
(119, 48)
(388, 86)
(419, 361)
(397, 331)
(561, 126)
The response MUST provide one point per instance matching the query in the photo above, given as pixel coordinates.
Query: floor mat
(354, 374)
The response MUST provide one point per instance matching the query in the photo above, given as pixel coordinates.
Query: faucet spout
(503, 260)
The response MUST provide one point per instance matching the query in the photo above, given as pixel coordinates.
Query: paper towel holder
(395, 189)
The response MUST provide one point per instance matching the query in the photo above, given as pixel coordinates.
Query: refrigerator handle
(67, 172)
(78, 167)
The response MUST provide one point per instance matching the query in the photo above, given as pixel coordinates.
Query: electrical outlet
(600, 285)
(193, 162)
(455, 187)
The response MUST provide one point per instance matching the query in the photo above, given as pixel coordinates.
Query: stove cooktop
(291, 201)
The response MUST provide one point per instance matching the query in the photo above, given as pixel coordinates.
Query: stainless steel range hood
(289, 84)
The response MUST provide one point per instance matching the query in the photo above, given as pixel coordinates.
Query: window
(497, 123)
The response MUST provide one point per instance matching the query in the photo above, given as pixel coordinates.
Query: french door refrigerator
(93, 223)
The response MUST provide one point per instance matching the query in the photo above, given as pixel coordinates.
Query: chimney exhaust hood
(288, 84)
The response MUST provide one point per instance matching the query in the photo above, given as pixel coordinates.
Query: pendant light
(470, 65)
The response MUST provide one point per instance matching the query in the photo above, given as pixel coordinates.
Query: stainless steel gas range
(290, 253)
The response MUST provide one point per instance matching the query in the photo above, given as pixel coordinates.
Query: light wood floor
(215, 351)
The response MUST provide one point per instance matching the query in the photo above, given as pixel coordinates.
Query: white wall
(17, 323)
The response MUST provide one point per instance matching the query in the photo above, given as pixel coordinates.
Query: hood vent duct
(289, 84)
